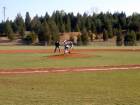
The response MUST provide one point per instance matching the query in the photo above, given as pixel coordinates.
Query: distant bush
(11, 37)
(105, 35)
(84, 37)
(138, 36)
(79, 40)
(119, 38)
(130, 39)
(30, 38)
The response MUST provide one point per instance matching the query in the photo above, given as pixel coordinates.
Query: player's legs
(59, 49)
(55, 49)
(65, 50)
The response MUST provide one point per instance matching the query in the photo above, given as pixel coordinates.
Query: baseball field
(88, 76)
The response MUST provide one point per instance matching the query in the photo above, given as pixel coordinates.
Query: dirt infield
(75, 54)
(61, 70)
(72, 55)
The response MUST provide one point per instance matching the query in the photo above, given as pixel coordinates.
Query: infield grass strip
(86, 88)
(25, 47)
(75, 47)
(11, 61)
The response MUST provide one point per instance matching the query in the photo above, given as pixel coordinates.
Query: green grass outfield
(79, 88)
(39, 60)
(85, 88)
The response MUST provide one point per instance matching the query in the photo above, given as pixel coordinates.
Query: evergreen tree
(8, 30)
(82, 25)
(88, 24)
(36, 25)
(54, 31)
(105, 35)
(20, 25)
(62, 22)
(28, 22)
(84, 37)
(119, 38)
(93, 27)
(77, 29)
(62, 28)
(47, 16)
(22, 31)
(122, 20)
(110, 31)
(2, 27)
(115, 21)
(134, 22)
(68, 24)
(138, 36)
(44, 34)
(130, 39)
(99, 26)
(79, 23)
(14, 27)
(73, 22)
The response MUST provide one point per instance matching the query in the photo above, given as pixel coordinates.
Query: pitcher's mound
(71, 55)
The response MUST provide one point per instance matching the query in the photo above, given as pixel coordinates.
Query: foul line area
(54, 70)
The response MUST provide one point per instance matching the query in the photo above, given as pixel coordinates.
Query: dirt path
(61, 70)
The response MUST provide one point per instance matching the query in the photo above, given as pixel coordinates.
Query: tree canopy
(59, 22)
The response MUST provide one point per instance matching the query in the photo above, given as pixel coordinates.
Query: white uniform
(67, 46)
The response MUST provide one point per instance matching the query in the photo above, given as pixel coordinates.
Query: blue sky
(41, 6)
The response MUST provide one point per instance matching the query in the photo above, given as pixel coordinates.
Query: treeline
(47, 28)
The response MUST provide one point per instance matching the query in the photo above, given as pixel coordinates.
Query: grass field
(41, 60)
(98, 88)
(71, 88)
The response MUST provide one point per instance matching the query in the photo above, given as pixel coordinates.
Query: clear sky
(41, 6)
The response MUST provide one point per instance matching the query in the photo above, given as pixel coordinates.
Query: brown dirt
(62, 70)
(51, 50)
(71, 55)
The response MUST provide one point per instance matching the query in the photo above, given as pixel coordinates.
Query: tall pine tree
(28, 22)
